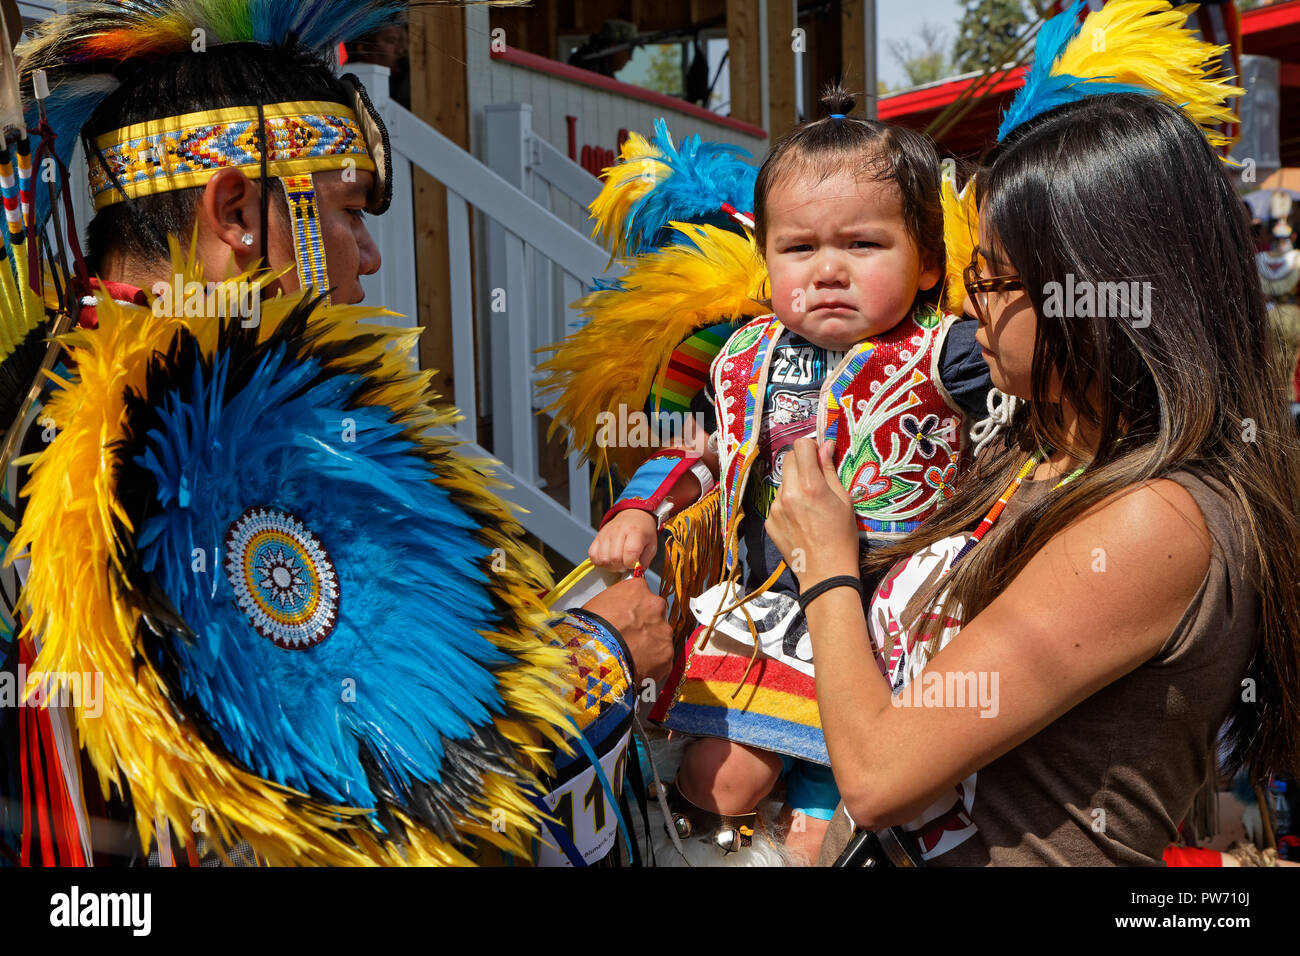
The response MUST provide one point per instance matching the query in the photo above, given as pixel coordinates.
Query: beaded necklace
(995, 512)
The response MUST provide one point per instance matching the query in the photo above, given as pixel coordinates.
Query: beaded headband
(181, 152)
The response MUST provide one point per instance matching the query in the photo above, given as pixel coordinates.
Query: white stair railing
(537, 264)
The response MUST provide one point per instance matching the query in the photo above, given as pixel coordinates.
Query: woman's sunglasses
(978, 289)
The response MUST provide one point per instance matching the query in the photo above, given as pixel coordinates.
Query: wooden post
(824, 47)
(743, 61)
(780, 53)
(440, 98)
(852, 55)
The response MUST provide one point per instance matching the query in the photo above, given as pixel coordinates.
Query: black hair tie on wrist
(821, 587)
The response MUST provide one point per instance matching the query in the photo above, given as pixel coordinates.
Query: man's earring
(246, 238)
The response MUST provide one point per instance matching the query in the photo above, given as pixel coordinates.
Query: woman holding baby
(1124, 559)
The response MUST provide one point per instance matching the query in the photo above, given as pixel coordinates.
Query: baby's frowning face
(842, 265)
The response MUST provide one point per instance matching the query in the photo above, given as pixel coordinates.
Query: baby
(848, 219)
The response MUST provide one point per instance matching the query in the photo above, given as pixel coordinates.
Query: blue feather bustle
(403, 673)
(390, 706)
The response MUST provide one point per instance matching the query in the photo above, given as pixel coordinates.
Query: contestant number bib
(582, 807)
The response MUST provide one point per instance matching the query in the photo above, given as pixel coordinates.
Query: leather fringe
(692, 561)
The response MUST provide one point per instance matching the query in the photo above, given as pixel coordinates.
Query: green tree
(987, 29)
(665, 72)
(924, 58)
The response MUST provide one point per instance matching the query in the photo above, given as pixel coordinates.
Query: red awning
(1265, 31)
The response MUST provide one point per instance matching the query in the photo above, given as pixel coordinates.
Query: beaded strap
(309, 244)
(996, 511)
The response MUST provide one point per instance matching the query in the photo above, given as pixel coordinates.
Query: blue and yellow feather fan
(678, 219)
(648, 341)
(1129, 46)
(656, 184)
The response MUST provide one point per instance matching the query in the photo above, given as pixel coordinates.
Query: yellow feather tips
(639, 168)
(622, 353)
(88, 619)
(960, 234)
(1144, 42)
(21, 308)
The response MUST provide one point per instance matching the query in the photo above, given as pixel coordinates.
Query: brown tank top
(1109, 781)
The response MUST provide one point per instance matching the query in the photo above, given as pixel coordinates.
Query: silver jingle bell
(727, 840)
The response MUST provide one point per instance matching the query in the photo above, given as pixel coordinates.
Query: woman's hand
(811, 520)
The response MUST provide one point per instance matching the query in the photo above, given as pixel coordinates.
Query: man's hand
(642, 619)
(629, 537)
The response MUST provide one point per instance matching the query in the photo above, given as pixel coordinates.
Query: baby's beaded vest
(898, 440)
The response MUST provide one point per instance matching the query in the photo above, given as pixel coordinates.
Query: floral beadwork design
(942, 478)
(922, 432)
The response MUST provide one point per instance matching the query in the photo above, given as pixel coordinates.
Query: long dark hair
(236, 74)
(882, 152)
(1124, 187)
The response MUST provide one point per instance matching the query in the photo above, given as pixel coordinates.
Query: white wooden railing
(536, 265)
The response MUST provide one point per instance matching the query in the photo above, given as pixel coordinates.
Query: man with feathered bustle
(317, 628)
